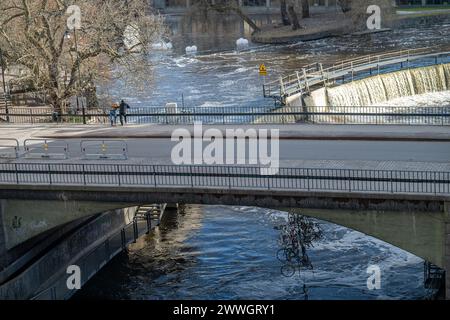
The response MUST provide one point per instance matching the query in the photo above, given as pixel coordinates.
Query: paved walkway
(289, 131)
(365, 147)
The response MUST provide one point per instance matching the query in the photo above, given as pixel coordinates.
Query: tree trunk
(305, 9)
(91, 98)
(246, 18)
(346, 5)
(294, 18)
(56, 102)
(284, 13)
(55, 92)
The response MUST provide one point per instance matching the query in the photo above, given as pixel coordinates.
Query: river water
(220, 76)
(218, 252)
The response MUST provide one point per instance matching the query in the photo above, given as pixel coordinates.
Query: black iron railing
(228, 177)
(259, 115)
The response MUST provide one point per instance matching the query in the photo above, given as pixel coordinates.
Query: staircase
(152, 213)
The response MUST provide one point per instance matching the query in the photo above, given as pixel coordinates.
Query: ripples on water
(230, 78)
(218, 252)
(230, 252)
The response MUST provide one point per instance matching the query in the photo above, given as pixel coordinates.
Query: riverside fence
(228, 177)
(409, 115)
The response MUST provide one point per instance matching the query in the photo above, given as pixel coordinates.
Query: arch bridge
(409, 209)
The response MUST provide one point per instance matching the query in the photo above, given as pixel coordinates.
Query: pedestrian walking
(123, 112)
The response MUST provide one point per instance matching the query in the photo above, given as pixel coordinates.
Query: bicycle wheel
(288, 270)
(281, 255)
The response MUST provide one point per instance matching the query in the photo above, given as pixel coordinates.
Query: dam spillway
(382, 88)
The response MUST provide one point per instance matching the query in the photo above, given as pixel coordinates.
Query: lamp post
(2, 64)
(79, 75)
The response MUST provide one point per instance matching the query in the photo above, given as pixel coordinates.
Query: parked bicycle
(296, 237)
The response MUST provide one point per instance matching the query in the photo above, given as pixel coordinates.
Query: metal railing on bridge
(263, 115)
(226, 177)
(315, 75)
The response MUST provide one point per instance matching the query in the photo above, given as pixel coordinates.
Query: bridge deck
(397, 168)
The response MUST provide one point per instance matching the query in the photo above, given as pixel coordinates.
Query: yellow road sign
(262, 70)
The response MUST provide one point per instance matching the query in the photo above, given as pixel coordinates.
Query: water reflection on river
(218, 252)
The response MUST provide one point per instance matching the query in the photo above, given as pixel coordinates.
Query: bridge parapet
(226, 177)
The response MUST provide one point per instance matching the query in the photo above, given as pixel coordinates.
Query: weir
(385, 87)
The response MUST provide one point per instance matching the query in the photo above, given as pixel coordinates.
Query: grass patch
(427, 8)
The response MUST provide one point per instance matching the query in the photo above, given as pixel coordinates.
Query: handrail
(396, 54)
(231, 177)
(378, 58)
(392, 53)
(247, 115)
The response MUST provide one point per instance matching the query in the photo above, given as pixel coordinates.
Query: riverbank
(319, 26)
(332, 24)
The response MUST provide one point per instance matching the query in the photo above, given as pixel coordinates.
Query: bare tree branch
(34, 35)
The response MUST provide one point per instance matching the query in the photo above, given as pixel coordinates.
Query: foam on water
(211, 104)
(433, 99)
(379, 89)
(182, 62)
(218, 252)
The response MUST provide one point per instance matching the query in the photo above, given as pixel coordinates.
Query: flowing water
(218, 252)
(384, 88)
(230, 252)
(220, 76)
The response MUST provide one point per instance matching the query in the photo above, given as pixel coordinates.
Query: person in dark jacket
(123, 111)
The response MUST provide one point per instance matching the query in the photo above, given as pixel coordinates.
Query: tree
(284, 14)
(346, 5)
(61, 62)
(224, 7)
(357, 11)
(291, 5)
(305, 9)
